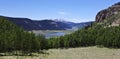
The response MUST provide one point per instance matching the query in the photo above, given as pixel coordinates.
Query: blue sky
(69, 10)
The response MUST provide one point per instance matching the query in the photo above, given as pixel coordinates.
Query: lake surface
(54, 34)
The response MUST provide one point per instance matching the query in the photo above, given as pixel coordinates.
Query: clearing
(74, 53)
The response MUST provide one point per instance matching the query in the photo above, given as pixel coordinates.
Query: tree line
(107, 37)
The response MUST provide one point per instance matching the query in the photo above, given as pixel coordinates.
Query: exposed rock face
(106, 13)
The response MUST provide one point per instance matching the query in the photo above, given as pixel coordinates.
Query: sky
(68, 10)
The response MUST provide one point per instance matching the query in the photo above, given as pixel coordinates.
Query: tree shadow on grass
(24, 54)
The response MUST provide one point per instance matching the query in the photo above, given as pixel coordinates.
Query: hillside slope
(14, 38)
(46, 24)
(109, 16)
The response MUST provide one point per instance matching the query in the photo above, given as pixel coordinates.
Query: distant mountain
(83, 24)
(47, 24)
(52, 25)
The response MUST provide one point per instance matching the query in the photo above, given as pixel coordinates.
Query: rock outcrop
(106, 13)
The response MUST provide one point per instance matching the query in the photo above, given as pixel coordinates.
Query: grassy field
(74, 53)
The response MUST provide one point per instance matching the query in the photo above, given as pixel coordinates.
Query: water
(54, 34)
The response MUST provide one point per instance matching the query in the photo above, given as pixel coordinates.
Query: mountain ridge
(46, 24)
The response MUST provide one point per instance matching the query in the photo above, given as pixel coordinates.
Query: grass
(74, 53)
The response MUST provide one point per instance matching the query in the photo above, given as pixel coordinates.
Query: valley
(24, 38)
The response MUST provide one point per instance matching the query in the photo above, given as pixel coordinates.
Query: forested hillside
(105, 37)
(14, 38)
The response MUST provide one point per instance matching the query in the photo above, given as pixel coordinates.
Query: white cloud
(78, 20)
(62, 13)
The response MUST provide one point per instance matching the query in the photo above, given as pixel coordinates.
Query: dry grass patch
(74, 53)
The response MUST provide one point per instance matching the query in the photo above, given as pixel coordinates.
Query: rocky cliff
(110, 15)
